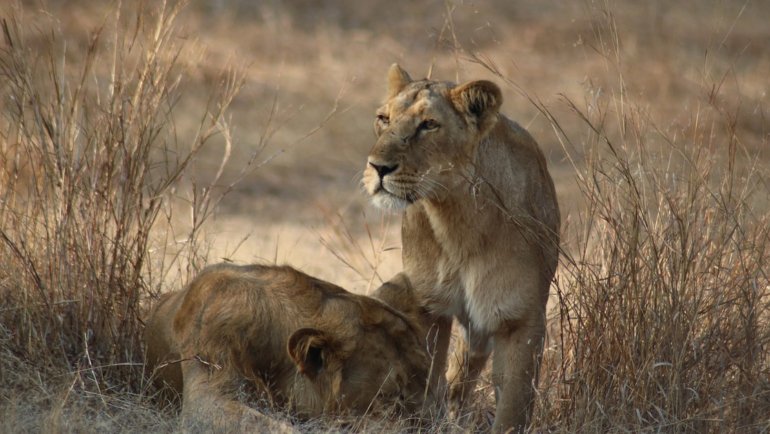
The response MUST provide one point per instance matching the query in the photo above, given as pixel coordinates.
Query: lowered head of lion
(480, 231)
(274, 333)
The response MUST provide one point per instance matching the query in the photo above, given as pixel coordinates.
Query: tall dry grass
(663, 294)
(664, 303)
(92, 176)
(661, 307)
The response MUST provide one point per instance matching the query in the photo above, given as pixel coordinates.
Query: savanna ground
(140, 141)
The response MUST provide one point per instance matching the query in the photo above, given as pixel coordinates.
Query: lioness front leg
(465, 364)
(205, 408)
(517, 353)
(438, 347)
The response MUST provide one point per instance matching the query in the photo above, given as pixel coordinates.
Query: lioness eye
(383, 119)
(428, 125)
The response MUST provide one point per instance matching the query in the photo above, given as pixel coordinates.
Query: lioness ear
(479, 100)
(398, 293)
(306, 347)
(397, 80)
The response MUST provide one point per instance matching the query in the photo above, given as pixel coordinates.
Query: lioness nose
(383, 169)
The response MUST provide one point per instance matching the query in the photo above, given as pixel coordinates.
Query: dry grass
(91, 165)
(131, 155)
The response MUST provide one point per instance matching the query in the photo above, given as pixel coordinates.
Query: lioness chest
(468, 262)
(467, 259)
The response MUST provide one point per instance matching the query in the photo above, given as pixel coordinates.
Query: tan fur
(480, 229)
(277, 334)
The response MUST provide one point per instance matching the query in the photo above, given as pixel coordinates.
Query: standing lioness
(480, 229)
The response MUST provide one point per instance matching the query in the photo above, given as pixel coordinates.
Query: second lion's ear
(398, 293)
(307, 348)
(479, 101)
(397, 80)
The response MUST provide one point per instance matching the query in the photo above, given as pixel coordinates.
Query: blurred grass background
(249, 144)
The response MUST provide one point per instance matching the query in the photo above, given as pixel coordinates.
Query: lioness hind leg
(516, 359)
(465, 364)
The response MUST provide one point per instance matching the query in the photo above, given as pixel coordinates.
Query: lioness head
(427, 133)
(378, 365)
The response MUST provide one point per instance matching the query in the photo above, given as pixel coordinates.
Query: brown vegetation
(120, 176)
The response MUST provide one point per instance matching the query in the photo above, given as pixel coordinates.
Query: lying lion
(277, 334)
